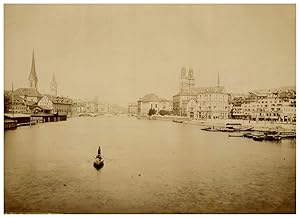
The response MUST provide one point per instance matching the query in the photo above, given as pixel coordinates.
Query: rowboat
(98, 162)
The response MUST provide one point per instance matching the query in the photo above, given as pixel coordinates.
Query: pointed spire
(32, 76)
(33, 63)
(183, 71)
(53, 86)
(53, 81)
(218, 79)
(191, 72)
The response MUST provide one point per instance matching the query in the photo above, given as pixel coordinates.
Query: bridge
(90, 114)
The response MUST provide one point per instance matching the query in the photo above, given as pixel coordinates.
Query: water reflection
(150, 167)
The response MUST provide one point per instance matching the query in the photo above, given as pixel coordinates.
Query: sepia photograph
(149, 108)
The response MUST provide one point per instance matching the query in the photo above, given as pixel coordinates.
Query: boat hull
(98, 163)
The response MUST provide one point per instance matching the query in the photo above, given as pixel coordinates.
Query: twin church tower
(187, 79)
(33, 80)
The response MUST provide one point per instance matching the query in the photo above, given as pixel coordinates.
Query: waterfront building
(14, 104)
(200, 102)
(166, 105)
(268, 106)
(235, 109)
(180, 101)
(132, 108)
(61, 105)
(213, 105)
(30, 95)
(44, 105)
(192, 108)
(152, 101)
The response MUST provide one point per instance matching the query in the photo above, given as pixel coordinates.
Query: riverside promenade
(256, 125)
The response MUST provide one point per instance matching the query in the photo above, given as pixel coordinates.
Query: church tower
(187, 80)
(183, 79)
(53, 86)
(33, 80)
(191, 79)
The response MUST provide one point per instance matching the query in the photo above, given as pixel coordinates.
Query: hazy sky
(122, 52)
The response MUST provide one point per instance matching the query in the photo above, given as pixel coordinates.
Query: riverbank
(255, 125)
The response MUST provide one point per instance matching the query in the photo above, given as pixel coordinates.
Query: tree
(164, 112)
(151, 112)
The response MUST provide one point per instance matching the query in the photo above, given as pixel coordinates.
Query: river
(150, 167)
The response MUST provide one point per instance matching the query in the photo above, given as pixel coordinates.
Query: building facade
(152, 101)
(132, 108)
(200, 102)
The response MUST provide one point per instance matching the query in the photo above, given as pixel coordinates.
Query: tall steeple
(53, 86)
(33, 80)
(218, 79)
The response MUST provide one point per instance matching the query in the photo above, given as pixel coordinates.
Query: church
(200, 102)
(33, 102)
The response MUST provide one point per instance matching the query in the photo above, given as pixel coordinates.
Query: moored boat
(272, 137)
(287, 134)
(236, 135)
(210, 129)
(225, 129)
(248, 135)
(258, 137)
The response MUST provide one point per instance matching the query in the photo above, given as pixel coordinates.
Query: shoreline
(256, 125)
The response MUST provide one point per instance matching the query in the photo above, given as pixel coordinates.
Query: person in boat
(99, 153)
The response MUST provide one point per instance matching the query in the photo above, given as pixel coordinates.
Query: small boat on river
(272, 137)
(225, 129)
(287, 134)
(210, 129)
(248, 135)
(98, 162)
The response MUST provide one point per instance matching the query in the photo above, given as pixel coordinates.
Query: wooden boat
(248, 135)
(243, 128)
(287, 134)
(210, 129)
(205, 128)
(236, 135)
(222, 129)
(98, 162)
(258, 137)
(272, 137)
(233, 125)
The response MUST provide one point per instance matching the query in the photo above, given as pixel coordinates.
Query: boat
(243, 128)
(233, 125)
(258, 137)
(98, 162)
(287, 134)
(248, 135)
(273, 137)
(206, 128)
(210, 129)
(236, 135)
(225, 129)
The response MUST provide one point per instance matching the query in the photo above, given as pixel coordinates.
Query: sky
(123, 52)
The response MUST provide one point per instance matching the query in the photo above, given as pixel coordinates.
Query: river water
(150, 167)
